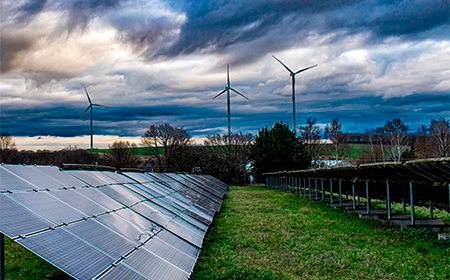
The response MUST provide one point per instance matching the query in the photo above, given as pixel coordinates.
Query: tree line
(232, 158)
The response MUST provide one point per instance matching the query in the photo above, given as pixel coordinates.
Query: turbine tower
(227, 89)
(292, 74)
(91, 106)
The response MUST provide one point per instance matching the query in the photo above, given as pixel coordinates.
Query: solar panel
(79, 202)
(154, 267)
(68, 252)
(122, 272)
(60, 176)
(48, 206)
(109, 225)
(18, 220)
(30, 174)
(12, 182)
(109, 241)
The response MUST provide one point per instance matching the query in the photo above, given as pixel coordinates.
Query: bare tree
(225, 162)
(167, 144)
(122, 154)
(440, 132)
(334, 133)
(376, 136)
(310, 134)
(7, 145)
(423, 145)
(396, 132)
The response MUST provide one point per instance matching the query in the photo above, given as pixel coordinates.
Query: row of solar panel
(106, 224)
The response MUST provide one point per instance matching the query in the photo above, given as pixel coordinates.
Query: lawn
(268, 234)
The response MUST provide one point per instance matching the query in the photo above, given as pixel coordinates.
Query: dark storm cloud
(63, 120)
(411, 17)
(81, 12)
(247, 30)
(219, 25)
(139, 29)
(11, 47)
(29, 10)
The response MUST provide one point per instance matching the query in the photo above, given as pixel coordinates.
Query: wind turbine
(227, 89)
(91, 106)
(292, 74)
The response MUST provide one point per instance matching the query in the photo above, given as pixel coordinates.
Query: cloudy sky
(154, 61)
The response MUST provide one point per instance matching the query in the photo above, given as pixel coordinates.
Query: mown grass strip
(268, 234)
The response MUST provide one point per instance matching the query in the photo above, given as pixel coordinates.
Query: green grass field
(267, 234)
(262, 233)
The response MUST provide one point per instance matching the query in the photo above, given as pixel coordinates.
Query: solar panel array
(109, 225)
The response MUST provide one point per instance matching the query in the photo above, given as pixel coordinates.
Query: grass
(268, 234)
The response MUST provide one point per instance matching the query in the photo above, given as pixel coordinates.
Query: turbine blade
(287, 68)
(228, 75)
(304, 69)
(239, 93)
(87, 109)
(220, 93)
(99, 105)
(87, 94)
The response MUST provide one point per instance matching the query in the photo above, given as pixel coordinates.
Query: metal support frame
(411, 200)
(323, 193)
(340, 194)
(309, 186)
(353, 196)
(404, 206)
(315, 184)
(299, 186)
(2, 256)
(388, 200)
(331, 191)
(431, 210)
(304, 186)
(367, 198)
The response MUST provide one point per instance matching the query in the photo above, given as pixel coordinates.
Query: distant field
(139, 151)
(267, 234)
(356, 151)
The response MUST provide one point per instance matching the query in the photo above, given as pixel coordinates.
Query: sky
(155, 62)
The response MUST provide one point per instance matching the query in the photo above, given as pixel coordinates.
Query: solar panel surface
(109, 225)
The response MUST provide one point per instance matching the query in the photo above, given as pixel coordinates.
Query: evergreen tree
(278, 149)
